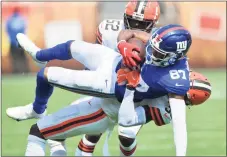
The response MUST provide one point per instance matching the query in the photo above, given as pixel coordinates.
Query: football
(139, 43)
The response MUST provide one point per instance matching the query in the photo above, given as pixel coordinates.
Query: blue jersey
(159, 81)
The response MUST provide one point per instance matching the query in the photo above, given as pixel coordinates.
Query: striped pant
(84, 116)
(92, 115)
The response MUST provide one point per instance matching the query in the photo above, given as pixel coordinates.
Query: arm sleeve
(178, 108)
(128, 115)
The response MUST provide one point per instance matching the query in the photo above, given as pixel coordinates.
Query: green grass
(206, 123)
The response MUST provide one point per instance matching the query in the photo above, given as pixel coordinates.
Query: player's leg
(127, 138)
(36, 109)
(95, 83)
(37, 144)
(90, 55)
(87, 145)
(100, 82)
(158, 111)
(84, 82)
(85, 116)
(43, 92)
(57, 148)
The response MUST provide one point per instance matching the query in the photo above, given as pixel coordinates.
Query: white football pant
(99, 81)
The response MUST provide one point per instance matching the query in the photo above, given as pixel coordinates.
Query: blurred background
(49, 23)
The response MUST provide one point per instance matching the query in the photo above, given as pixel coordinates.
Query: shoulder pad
(108, 31)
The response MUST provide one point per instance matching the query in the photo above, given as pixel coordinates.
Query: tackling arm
(178, 109)
(128, 34)
(128, 115)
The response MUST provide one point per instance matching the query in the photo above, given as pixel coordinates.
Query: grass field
(206, 123)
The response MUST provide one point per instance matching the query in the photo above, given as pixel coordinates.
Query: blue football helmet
(167, 45)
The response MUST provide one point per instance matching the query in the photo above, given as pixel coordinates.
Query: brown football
(139, 43)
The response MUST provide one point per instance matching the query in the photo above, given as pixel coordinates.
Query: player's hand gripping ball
(132, 51)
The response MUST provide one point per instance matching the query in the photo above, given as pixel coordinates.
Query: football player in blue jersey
(165, 71)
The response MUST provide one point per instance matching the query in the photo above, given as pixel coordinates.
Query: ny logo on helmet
(181, 46)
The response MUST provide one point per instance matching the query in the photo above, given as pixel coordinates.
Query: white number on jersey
(109, 30)
(176, 74)
(113, 25)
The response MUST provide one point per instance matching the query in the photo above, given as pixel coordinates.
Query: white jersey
(108, 32)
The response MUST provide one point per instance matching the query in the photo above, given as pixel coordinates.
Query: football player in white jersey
(141, 15)
(95, 115)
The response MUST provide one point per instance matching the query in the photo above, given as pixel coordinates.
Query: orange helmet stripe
(131, 7)
(152, 11)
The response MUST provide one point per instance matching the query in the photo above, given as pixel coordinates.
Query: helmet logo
(181, 46)
(138, 16)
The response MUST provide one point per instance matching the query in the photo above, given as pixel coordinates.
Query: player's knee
(125, 141)
(93, 138)
(41, 75)
(34, 130)
(127, 132)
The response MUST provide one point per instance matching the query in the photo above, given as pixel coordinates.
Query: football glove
(128, 77)
(128, 52)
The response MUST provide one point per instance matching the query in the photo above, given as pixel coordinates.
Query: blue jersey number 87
(176, 74)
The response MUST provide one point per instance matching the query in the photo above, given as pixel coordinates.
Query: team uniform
(100, 81)
(110, 106)
(154, 82)
(90, 118)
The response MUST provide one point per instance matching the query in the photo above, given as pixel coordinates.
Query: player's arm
(127, 115)
(156, 111)
(176, 83)
(178, 109)
(131, 116)
(125, 35)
